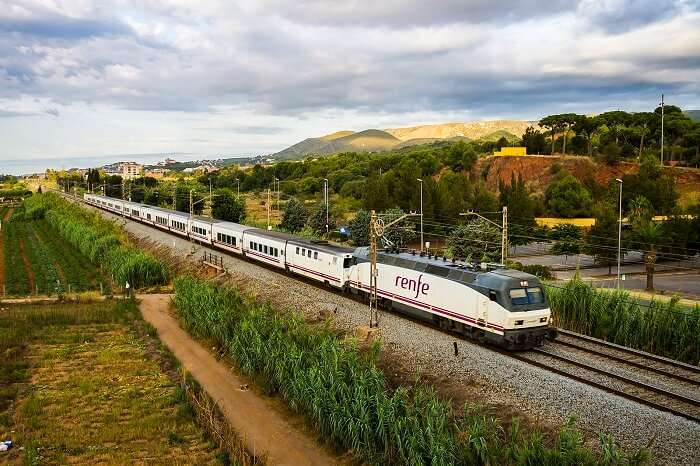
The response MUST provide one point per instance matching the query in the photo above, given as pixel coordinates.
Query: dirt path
(260, 424)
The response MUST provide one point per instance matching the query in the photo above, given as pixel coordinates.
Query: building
(156, 172)
(131, 170)
(511, 152)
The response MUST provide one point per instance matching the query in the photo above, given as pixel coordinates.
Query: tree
(534, 141)
(650, 182)
(294, 216)
(359, 228)
(317, 220)
(521, 210)
(647, 233)
(475, 241)
(611, 153)
(182, 199)
(461, 156)
(566, 240)
(225, 206)
(601, 239)
(113, 186)
(399, 234)
(554, 124)
(588, 127)
(93, 178)
(566, 197)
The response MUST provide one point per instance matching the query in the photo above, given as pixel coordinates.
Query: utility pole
(210, 199)
(376, 230)
(662, 129)
(238, 191)
(619, 235)
(268, 208)
(104, 189)
(191, 206)
(504, 236)
(374, 233)
(422, 243)
(129, 192)
(325, 180)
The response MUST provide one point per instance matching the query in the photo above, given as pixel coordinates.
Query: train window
(315, 255)
(297, 250)
(518, 296)
(531, 295)
(265, 247)
(535, 295)
(492, 295)
(347, 262)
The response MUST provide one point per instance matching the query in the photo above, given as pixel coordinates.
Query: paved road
(685, 284)
(255, 418)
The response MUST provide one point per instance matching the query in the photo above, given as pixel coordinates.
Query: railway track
(651, 380)
(644, 393)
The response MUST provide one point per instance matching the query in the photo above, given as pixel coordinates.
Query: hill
(396, 138)
(471, 130)
(693, 114)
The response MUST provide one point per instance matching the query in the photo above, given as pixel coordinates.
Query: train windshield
(532, 295)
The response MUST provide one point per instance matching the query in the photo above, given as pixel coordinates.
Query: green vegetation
(343, 392)
(226, 206)
(77, 386)
(666, 329)
(99, 240)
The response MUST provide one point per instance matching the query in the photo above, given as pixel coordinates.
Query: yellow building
(511, 152)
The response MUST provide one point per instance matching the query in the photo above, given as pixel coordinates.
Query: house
(131, 170)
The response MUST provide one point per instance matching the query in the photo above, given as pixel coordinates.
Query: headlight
(518, 322)
(544, 319)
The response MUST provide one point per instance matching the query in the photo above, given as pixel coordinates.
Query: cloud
(273, 69)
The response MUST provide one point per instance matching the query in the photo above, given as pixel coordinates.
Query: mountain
(693, 114)
(471, 130)
(373, 140)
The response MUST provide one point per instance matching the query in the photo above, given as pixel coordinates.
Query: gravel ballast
(487, 377)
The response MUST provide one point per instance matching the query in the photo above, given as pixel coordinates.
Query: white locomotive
(495, 305)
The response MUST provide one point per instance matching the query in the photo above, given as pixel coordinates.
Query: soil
(262, 424)
(537, 171)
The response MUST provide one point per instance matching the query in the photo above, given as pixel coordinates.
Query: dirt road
(258, 422)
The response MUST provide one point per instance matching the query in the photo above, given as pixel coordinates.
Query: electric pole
(504, 237)
(374, 233)
(268, 208)
(191, 206)
(662, 129)
(376, 230)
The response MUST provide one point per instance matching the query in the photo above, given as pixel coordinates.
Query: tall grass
(342, 391)
(99, 240)
(663, 328)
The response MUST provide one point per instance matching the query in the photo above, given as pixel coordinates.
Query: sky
(80, 78)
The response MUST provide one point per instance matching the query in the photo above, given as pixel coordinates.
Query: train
(485, 302)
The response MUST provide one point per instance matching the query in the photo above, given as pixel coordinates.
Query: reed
(664, 328)
(99, 240)
(341, 390)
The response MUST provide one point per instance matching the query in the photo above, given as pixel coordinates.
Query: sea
(39, 165)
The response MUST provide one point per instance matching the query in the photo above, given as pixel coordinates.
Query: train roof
(457, 271)
(231, 226)
(304, 242)
(203, 219)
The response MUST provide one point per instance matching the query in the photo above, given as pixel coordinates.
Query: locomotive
(489, 303)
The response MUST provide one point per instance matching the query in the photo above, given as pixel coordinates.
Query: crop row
(98, 240)
(16, 276)
(666, 329)
(340, 389)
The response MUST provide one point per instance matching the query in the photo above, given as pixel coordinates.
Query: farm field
(78, 386)
(35, 260)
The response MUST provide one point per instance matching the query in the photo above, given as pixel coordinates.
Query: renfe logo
(413, 285)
